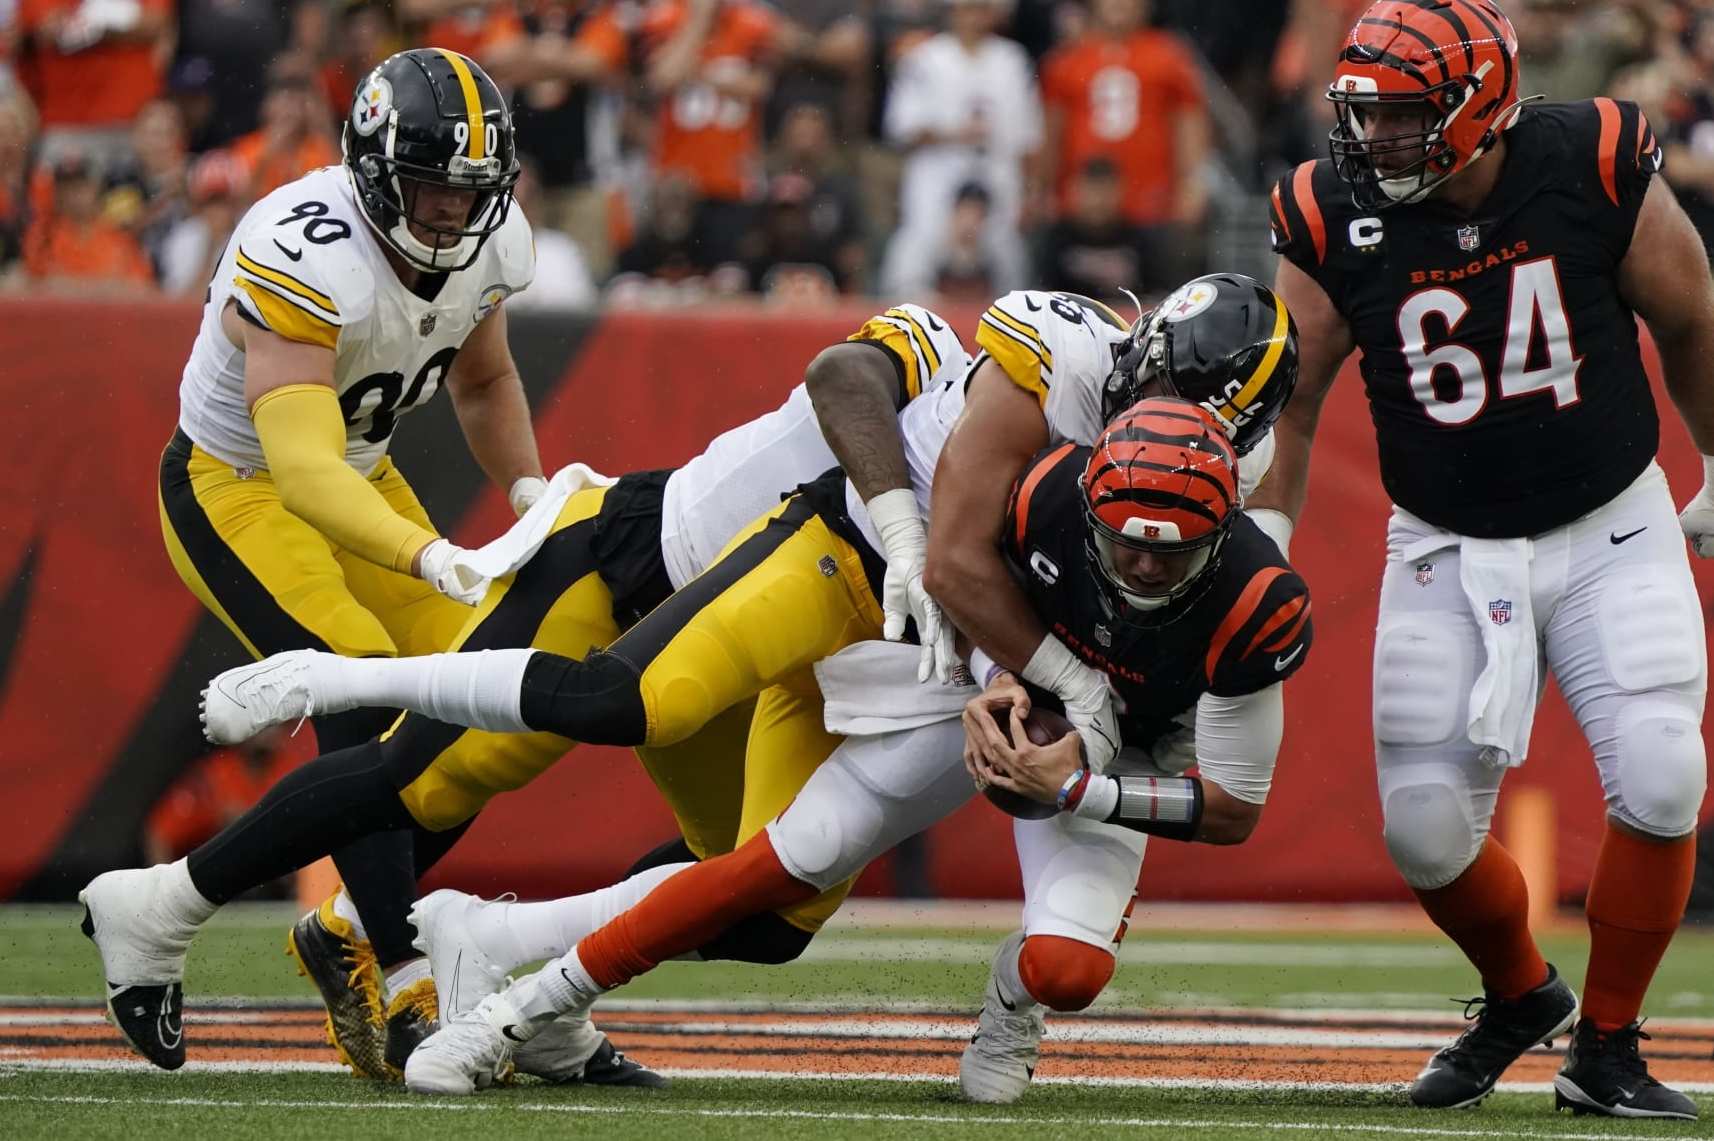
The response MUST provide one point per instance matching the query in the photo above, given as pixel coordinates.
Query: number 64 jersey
(1500, 359)
(304, 263)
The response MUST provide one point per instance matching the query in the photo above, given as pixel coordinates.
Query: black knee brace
(598, 700)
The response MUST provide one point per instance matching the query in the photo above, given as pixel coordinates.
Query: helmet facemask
(1190, 559)
(390, 189)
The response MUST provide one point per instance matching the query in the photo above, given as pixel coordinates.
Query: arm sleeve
(1238, 741)
(303, 437)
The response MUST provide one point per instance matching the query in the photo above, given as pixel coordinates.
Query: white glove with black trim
(1697, 518)
(1090, 703)
(442, 565)
(904, 539)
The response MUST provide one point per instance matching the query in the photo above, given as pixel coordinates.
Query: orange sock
(688, 910)
(1486, 912)
(1636, 900)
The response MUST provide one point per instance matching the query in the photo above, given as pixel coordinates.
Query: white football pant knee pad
(1430, 831)
(1079, 876)
(870, 794)
(1662, 768)
(1422, 679)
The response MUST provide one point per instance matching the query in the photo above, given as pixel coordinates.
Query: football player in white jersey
(614, 553)
(878, 792)
(343, 301)
(1055, 368)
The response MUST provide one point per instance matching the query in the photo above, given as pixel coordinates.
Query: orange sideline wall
(102, 649)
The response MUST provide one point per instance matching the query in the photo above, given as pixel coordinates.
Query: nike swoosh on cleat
(169, 1034)
(1615, 538)
(1009, 1006)
(452, 999)
(507, 1032)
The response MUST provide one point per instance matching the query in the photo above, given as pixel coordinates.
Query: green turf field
(241, 955)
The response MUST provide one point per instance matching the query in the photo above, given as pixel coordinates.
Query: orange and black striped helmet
(1161, 482)
(1454, 60)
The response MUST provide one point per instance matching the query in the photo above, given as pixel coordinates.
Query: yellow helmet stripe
(472, 101)
(1276, 346)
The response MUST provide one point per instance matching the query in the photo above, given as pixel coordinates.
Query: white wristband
(895, 514)
(1708, 471)
(1100, 797)
(1052, 666)
(983, 668)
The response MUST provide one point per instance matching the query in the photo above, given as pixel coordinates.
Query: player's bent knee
(1662, 768)
(1429, 830)
(1063, 974)
(1651, 629)
(826, 835)
(597, 700)
(1419, 677)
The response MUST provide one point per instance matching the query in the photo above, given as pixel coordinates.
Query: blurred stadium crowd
(801, 149)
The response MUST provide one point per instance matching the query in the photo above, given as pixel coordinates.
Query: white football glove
(905, 541)
(443, 567)
(1697, 518)
(1090, 704)
(525, 491)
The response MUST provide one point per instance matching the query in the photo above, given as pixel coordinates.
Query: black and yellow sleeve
(1017, 345)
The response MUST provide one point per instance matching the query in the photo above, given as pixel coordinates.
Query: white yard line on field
(633, 1108)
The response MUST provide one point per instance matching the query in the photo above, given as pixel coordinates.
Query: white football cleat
(464, 971)
(142, 951)
(1000, 1061)
(468, 1052)
(241, 702)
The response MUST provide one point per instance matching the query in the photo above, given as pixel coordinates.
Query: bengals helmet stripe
(472, 102)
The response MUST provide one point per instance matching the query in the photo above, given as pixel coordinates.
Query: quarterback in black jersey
(1488, 257)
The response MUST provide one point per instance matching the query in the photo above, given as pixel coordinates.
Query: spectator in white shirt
(965, 106)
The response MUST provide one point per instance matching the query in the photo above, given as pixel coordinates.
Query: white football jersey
(741, 475)
(305, 264)
(1060, 347)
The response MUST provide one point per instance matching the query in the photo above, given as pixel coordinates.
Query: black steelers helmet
(1223, 341)
(430, 117)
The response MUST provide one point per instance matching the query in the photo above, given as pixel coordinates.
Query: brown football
(1044, 727)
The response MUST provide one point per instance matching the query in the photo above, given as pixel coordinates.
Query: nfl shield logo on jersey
(1500, 611)
(426, 325)
(1469, 237)
(1424, 573)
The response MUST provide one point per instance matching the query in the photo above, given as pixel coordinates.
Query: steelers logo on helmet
(1160, 492)
(436, 183)
(1224, 341)
(373, 104)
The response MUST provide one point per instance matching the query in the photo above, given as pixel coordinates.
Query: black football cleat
(142, 962)
(1465, 1072)
(344, 971)
(413, 1015)
(609, 1067)
(1604, 1074)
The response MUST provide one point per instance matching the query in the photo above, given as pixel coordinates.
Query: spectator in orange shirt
(1130, 94)
(94, 64)
(293, 138)
(17, 131)
(216, 790)
(72, 244)
(708, 63)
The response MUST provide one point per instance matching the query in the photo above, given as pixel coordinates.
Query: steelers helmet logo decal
(1188, 301)
(374, 101)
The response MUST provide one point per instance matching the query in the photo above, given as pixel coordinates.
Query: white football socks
(560, 987)
(402, 975)
(179, 898)
(518, 933)
(482, 689)
(1006, 974)
(346, 909)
